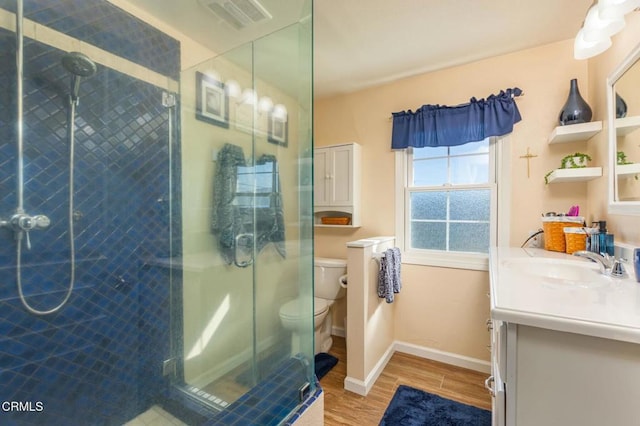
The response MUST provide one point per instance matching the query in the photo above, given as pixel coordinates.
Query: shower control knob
(41, 221)
(24, 222)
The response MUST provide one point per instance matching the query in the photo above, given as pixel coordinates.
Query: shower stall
(154, 216)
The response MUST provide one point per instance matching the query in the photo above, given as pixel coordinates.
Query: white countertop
(610, 309)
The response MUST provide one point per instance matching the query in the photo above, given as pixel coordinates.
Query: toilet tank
(327, 273)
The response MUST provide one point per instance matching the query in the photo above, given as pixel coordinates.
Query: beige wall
(444, 308)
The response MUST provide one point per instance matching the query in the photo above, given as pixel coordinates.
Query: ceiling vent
(238, 13)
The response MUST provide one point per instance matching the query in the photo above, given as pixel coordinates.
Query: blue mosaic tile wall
(102, 24)
(98, 360)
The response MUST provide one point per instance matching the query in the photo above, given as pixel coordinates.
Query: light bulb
(232, 88)
(280, 111)
(583, 49)
(597, 28)
(610, 9)
(265, 104)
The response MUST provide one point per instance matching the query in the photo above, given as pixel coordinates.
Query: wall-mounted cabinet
(337, 183)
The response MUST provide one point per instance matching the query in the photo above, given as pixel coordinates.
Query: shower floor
(155, 416)
(239, 381)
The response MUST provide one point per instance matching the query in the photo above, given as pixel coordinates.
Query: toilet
(329, 286)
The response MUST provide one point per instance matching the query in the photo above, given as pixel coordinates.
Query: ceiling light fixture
(583, 49)
(596, 28)
(616, 8)
(603, 20)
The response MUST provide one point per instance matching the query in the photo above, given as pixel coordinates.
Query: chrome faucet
(609, 265)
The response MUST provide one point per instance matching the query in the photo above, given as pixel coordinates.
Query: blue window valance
(441, 125)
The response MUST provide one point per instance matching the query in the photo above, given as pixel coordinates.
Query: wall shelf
(627, 125)
(575, 132)
(628, 169)
(575, 175)
(319, 225)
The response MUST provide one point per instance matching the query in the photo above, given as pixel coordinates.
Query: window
(448, 204)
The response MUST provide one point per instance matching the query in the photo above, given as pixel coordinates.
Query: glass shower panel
(282, 76)
(247, 228)
(216, 332)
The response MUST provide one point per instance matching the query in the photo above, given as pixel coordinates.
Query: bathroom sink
(558, 271)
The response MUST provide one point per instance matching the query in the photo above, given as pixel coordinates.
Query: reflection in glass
(627, 142)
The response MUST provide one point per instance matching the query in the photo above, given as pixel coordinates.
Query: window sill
(471, 261)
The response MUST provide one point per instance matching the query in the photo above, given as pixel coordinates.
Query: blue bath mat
(324, 363)
(413, 407)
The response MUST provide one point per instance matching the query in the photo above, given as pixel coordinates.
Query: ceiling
(363, 43)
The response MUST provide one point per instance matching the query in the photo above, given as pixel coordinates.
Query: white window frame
(499, 172)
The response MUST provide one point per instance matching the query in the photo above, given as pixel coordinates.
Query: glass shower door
(247, 229)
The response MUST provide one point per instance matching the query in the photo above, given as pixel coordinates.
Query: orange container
(576, 238)
(553, 226)
(335, 220)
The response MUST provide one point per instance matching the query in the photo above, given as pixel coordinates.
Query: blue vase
(575, 110)
(621, 107)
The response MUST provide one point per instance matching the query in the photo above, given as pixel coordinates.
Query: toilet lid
(291, 309)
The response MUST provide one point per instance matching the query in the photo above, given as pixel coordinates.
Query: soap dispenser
(604, 243)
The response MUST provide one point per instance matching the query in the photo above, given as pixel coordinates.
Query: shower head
(79, 65)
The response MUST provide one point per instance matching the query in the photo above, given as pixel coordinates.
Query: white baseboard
(355, 386)
(445, 357)
(338, 331)
(363, 388)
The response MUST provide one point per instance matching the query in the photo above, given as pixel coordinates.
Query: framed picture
(212, 103)
(278, 130)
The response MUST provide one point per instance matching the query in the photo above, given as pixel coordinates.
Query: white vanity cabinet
(563, 352)
(336, 177)
(558, 378)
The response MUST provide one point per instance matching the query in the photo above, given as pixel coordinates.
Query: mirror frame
(615, 206)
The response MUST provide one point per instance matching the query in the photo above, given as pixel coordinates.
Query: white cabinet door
(333, 175)
(341, 181)
(321, 173)
(498, 371)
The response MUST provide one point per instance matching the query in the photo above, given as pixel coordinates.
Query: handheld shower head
(79, 65)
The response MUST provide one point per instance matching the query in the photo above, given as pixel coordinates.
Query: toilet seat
(291, 310)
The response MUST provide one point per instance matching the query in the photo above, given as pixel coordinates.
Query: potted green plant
(575, 161)
(621, 159)
(572, 161)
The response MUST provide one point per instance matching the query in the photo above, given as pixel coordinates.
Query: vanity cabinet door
(498, 372)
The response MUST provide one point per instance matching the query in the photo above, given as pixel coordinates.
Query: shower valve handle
(25, 222)
(22, 223)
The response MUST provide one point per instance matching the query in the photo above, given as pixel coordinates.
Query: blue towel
(389, 282)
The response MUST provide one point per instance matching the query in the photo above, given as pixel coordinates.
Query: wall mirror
(623, 109)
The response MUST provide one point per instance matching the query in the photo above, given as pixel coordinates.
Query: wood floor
(344, 408)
